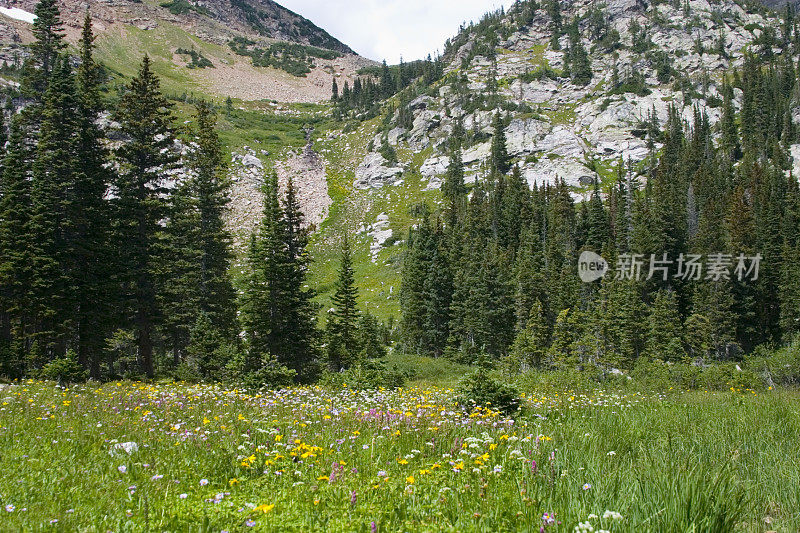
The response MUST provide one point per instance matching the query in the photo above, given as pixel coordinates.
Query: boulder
(374, 172)
(424, 122)
(434, 166)
(522, 135)
(477, 153)
(562, 142)
(251, 161)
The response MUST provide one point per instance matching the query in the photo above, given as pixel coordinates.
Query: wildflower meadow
(131, 456)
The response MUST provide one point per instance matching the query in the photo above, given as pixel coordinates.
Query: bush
(64, 369)
(271, 375)
(366, 374)
(186, 372)
(781, 367)
(481, 389)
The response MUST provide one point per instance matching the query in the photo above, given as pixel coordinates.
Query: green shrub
(186, 372)
(779, 367)
(64, 369)
(198, 60)
(271, 375)
(182, 7)
(481, 389)
(366, 374)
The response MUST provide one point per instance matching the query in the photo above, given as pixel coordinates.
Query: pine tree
(369, 338)
(48, 43)
(554, 10)
(515, 209)
(599, 230)
(729, 132)
(178, 276)
(579, 62)
(529, 274)
(95, 290)
(387, 85)
(499, 162)
(490, 317)
(438, 289)
(664, 329)
(531, 344)
(217, 297)
(145, 119)
(454, 190)
(265, 265)
(15, 249)
(300, 337)
(203, 349)
(279, 314)
(712, 303)
(620, 326)
(560, 354)
(52, 225)
(790, 293)
(342, 329)
(414, 299)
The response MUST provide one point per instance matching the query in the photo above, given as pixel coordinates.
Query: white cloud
(389, 29)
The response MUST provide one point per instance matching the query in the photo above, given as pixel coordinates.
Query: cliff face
(641, 57)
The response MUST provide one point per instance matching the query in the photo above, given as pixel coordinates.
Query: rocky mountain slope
(170, 30)
(643, 57)
(565, 117)
(666, 55)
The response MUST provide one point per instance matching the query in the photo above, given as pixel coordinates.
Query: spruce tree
(438, 287)
(579, 62)
(96, 292)
(514, 209)
(499, 161)
(52, 225)
(454, 190)
(48, 43)
(145, 120)
(531, 343)
(210, 186)
(664, 329)
(342, 327)
(560, 355)
(599, 230)
(300, 346)
(178, 275)
(15, 251)
(621, 329)
(369, 338)
(414, 300)
(263, 292)
(554, 10)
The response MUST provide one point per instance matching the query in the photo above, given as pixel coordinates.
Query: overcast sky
(388, 29)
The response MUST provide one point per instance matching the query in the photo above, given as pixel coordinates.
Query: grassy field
(310, 459)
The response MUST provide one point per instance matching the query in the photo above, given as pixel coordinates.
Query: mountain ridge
(304, 58)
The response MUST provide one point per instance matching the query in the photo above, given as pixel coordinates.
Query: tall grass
(407, 460)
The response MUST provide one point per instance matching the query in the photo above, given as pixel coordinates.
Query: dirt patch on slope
(307, 171)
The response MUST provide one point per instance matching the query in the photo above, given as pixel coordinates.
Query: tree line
(495, 271)
(114, 256)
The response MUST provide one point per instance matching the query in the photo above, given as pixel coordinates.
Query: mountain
(573, 107)
(577, 84)
(277, 55)
(640, 59)
(260, 17)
